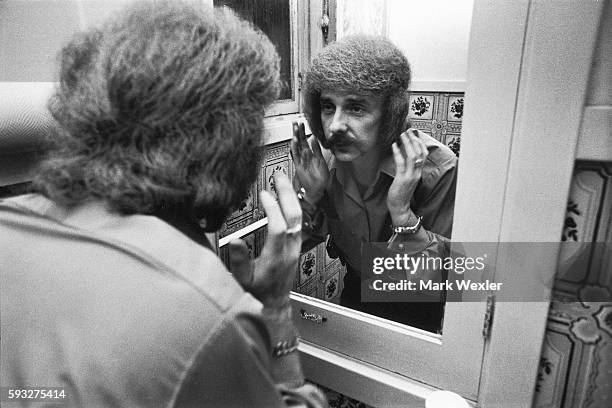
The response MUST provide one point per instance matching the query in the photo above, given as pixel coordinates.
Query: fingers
(276, 221)
(283, 217)
(316, 149)
(413, 151)
(398, 157)
(289, 203)
(295, 143)
(414, 143)
(300, 132)
(240, 263)
(301, 150)
(418, 144)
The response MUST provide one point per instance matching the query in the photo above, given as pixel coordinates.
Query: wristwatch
(409, 230)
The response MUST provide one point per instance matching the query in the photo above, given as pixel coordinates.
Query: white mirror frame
(526, 57)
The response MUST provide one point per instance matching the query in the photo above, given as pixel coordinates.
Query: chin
(345, 156)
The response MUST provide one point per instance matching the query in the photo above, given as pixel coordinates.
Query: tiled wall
(438, 114)
(576, 362)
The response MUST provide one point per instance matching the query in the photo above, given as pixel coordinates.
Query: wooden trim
(409, 352)
(595, 141)
(437, 86)
(288, 106)
(367, 383)
(242, 232)
(515, 130)
(279, 128)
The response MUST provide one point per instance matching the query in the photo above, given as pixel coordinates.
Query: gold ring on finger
(301, 194)
(294, 230)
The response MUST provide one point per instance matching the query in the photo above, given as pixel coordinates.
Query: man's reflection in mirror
(383, 181)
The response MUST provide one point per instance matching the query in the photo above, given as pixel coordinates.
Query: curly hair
(161, 110)
(363, 65)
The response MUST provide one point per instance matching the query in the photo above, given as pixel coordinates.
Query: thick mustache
(338, 138)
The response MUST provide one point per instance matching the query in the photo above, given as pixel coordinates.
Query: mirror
(434, 37)
(435, 43)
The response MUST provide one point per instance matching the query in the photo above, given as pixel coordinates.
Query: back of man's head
(161, 109)
(361, 65)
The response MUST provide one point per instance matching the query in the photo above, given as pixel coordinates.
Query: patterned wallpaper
(576, 361)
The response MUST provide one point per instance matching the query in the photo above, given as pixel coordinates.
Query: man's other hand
(409, 160)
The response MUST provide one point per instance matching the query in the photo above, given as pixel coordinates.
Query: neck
(186, 226)
(365, 167)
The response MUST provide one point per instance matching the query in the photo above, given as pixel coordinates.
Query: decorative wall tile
(331, 288)
(585, 222)
(276, 160)
(454, 142)
(434, 114)
(247, 213)
(309, 288)
(438, 129)
(308, 266)
(421, 106)
(552, 373)
(455, 108)
(423, 125)
(576, 363)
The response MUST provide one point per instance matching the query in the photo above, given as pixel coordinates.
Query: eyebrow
(356, 99)
(350, 99)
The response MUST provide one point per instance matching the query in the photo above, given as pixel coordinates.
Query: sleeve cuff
(286, 369)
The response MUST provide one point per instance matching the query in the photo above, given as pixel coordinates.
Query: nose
(338, 123)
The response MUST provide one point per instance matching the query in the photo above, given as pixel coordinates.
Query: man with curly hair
(110, 291)
(383, 180)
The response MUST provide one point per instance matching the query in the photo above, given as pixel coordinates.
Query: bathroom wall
(576, 362)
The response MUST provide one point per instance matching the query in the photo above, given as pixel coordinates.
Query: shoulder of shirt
(440, 160)
(151, 240)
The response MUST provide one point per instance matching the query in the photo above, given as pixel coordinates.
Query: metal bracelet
(409, 230)
(285, 347)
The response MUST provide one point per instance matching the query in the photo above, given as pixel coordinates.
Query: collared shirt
(127, 311)
(351, 218)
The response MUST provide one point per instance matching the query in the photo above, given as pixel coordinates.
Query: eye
(327, 108)
(356, 109)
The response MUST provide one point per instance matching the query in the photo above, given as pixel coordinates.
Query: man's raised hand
(409, 160)
(269, 277)
(310, 167)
